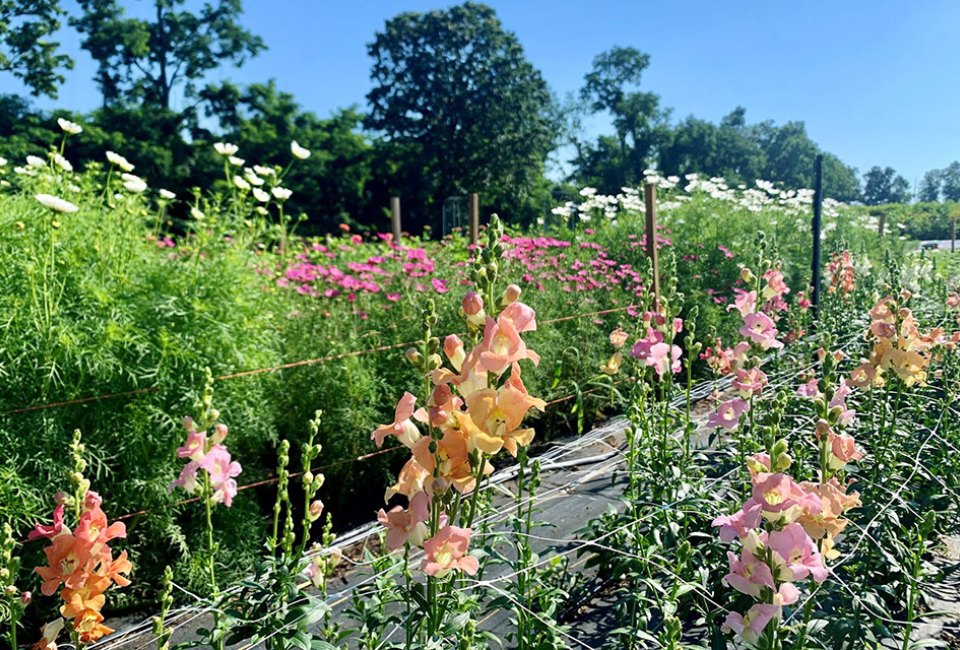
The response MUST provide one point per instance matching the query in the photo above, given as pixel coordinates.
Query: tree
(930, 186)
(884, 185)
(950, 177)
(613, 85)
(460, 109)
(26, 52)
(143, 62)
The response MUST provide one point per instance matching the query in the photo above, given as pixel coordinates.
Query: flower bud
(308, 478)
(510, 294)
(434, 361)
(472, 303)
(214, 414)
(26, 597)
(747, 275)
(219, 434)
(413, 356)
(316, 509)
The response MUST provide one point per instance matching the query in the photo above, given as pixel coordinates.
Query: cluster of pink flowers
(543, 259)
(656, 348)
(759, 330)
(475, 409)
(207, 453)
(323, 271)
(841, 276)
(788, 531)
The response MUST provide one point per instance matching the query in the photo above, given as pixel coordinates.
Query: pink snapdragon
(760, 328)
(750, 382)
(664, 359)
(728, 414)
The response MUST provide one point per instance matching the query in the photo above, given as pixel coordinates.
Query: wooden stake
(650, 201)
(881, 223)
(953, 235)
(474, 218)
(395, 218)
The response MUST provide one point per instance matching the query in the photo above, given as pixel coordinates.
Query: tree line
(455, 107)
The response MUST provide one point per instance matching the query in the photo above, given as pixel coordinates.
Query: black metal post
(817, 214)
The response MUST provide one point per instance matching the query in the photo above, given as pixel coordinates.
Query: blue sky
(877, 82)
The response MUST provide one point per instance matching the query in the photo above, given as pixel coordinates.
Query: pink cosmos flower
(728, 414)
(799, 554)
(664, 358)
(748, 575)
(760, 329)
(406, 525)
(402, 426)
(447, 551)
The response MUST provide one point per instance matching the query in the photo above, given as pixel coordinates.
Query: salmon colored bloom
(502, 345)
(451, 461)
(402, 426)
(406, 525)
(447, 551)
(612, 366)
(617, 338)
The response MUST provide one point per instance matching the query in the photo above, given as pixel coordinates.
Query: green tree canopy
(613, 86)
(459, 109)
(143, 61)
(26, 50)
(884, 185)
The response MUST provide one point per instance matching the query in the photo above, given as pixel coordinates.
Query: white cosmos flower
(197, 214)
(119, 161)
(260, 195)
(167, 195)
(56, 203)
(62, 163)
(264, 171)
(252, 177)
(300, 153)
(69, 127)
(133, 183)
(36, 161)
(3, 161)
(236, 162)
(225, 148)
(240, 183)
(281, 193)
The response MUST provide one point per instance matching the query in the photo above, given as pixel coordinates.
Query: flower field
(218, 433)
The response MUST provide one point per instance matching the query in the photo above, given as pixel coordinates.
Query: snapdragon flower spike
(207, 453)
(82, 563)
(402, 426)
